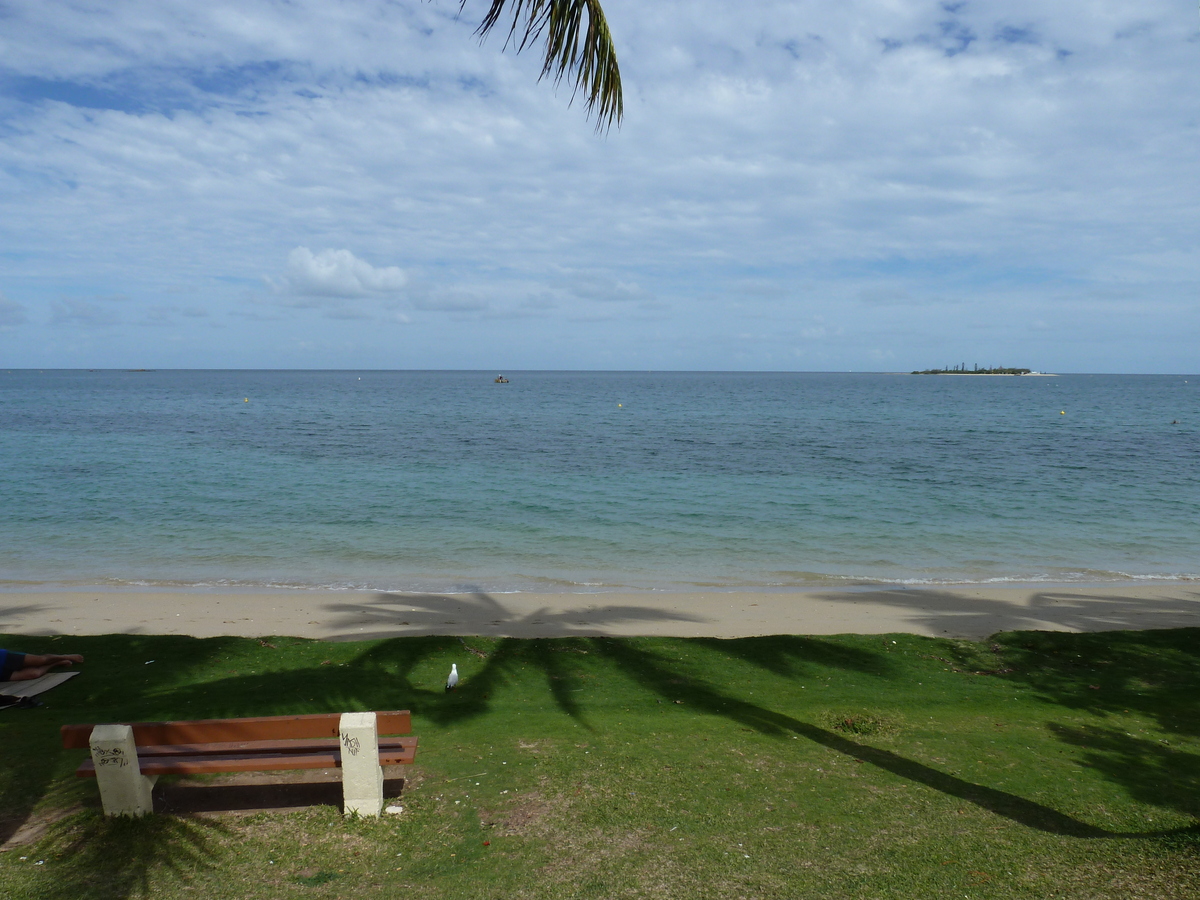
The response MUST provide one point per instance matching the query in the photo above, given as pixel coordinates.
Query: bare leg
(37, 666)
(32, 659)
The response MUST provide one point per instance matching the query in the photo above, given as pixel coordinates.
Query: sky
(863, 185)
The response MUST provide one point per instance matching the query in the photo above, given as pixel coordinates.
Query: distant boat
(500, 379)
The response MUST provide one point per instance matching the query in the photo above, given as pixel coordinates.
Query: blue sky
(850, 185)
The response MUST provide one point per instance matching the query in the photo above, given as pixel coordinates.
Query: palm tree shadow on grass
(359, 687)
(1156, 673)
(499, 667)
(381, 677)
(384, 676)
(787, 655)
(1110, 676)
(1114, 666)
(122, 857)
(782, 655)
(651, 671)
(106, 682)
(1151, 771)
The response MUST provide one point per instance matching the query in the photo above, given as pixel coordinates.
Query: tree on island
(961, 369)
(586, 55)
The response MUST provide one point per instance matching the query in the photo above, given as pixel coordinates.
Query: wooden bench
(127, 759)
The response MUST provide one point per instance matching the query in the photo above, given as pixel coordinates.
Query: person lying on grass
(16, 666)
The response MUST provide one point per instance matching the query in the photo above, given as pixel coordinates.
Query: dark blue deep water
(594, 481)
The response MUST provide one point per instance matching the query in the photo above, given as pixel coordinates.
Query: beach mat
(12, 693)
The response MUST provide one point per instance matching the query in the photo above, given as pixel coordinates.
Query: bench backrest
(263, 728)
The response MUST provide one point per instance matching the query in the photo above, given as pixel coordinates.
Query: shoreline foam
(960, 611)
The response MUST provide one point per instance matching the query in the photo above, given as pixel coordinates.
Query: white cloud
(338, 273)
(909, 169)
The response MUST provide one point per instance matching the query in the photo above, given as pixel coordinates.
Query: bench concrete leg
(362, 776)
(124, 790)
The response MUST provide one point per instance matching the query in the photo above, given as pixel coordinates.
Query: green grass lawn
(1033, 765)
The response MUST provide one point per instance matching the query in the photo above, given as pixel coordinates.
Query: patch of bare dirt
(518, 818)
(32, 828)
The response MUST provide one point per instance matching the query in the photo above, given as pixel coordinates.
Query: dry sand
(954, 611)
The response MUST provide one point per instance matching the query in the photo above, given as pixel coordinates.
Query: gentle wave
(549, 586)
(594, 482)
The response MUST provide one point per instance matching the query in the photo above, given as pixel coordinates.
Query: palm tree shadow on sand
(19, 613)
(939, 612)
(479, 613)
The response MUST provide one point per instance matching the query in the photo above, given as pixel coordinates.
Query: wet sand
(967, 611)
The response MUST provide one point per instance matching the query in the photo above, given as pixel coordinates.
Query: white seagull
(452, 681)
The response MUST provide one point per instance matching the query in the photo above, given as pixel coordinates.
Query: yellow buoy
(247, 400)
(1063, 413)
(619, 405)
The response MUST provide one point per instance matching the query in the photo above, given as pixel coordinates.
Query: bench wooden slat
(249, 748)
(262, 728)
(211, 765)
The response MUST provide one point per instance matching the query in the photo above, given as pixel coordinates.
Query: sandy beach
(968, 611)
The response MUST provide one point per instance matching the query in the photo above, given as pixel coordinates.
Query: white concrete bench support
(362, 776)
(124, 790)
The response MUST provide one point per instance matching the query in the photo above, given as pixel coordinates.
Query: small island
(961, 369)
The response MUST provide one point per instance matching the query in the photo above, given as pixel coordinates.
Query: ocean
(594, 481)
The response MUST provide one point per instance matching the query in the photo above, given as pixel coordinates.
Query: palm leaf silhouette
(585, 54)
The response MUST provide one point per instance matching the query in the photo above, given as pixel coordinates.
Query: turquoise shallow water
(559, 481)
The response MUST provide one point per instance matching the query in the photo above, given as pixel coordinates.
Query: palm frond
(588, 55)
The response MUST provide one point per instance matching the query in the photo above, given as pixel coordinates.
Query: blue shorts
(10, 661)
